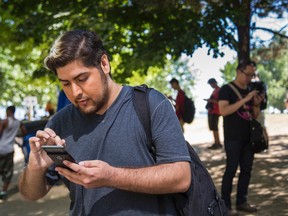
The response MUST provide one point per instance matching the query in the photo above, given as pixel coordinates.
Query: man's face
(85, 87)
(247, 74)
(213, 85)
(174, 85)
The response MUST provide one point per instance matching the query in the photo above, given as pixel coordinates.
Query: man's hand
(38, 157)
(158, 179)
(89, 174)
(250, 95)
(258, 99)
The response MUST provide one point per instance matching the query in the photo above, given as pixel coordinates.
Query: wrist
(34, 167)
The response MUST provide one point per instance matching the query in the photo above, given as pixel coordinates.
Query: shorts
(6, 167)
(213, 120)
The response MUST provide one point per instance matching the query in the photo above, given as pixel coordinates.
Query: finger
(42, 134)
(34, 139)
(59, 141)
(77, 174)
(53, 138)
(92, 163)
(70, 175)
(72, 165)
(81, 169)
(50, 132)
(35, 145)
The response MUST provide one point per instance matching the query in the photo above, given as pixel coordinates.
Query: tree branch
(272, 31)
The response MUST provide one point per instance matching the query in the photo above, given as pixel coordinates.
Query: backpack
(189, 110)
(202, 197)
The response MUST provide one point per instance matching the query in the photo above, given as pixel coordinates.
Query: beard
(95, 105)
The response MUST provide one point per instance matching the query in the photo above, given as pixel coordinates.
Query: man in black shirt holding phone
(236, 114)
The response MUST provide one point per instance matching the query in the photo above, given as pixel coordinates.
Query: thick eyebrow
(74, 78)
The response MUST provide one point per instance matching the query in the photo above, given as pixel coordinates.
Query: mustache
(80, 97)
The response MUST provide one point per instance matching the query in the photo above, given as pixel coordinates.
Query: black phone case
(58, 155)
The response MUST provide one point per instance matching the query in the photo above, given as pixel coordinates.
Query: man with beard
(114, 173)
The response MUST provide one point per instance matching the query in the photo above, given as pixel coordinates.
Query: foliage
(159, 78)
(229, 71)
(272, 68)
(275, 73)
(139, 34)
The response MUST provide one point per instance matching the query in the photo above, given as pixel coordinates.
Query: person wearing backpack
(236, 113)
(115, 171)
(179, 101)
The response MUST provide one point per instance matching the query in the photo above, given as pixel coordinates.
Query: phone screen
(58, 154)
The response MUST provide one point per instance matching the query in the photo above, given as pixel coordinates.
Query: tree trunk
(243, 29)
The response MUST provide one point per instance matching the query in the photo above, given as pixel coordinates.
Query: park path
(268, 188)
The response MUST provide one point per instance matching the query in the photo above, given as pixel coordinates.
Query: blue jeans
(237, 153)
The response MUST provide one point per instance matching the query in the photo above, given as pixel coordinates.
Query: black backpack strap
(141, 104)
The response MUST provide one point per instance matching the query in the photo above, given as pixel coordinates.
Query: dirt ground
(268, 187)
(269, 183)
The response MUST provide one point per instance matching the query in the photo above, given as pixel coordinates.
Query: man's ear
(105, 65)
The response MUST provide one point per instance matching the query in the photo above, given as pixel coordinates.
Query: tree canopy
(272, 69)
(139, 34)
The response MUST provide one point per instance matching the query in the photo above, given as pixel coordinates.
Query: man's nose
(76, 90)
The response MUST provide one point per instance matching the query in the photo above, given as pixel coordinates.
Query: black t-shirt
(236, 125)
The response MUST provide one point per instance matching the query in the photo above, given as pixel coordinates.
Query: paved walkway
(268, 188)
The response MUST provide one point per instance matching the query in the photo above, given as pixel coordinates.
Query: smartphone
(58, 154)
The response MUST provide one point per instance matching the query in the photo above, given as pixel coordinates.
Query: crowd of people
(99, 127)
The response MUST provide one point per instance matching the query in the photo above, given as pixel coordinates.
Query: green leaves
(139, 34)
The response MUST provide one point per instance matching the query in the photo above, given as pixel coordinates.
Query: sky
(208, 67)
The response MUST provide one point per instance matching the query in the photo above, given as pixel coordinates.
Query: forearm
(160, 179)
(215, 101)
(256, 111)
(32, 184)
(227, 109)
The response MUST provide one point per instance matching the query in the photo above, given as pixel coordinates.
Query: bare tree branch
(272, 31)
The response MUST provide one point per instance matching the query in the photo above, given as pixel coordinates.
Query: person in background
(236, 115)
(114, 173)
(214, 114)
(179, 102)
(9, 128)
(50, 109)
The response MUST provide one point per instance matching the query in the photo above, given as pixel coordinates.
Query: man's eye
(82, 79)
(65, 83)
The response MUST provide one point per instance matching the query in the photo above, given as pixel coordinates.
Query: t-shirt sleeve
(224, 93)
(167, 134)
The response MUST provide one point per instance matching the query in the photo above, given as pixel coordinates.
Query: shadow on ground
(56, 203)
(269, 183)
(268, 188)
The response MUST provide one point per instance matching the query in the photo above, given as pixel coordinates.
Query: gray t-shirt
(7, 138)
(118, 138)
